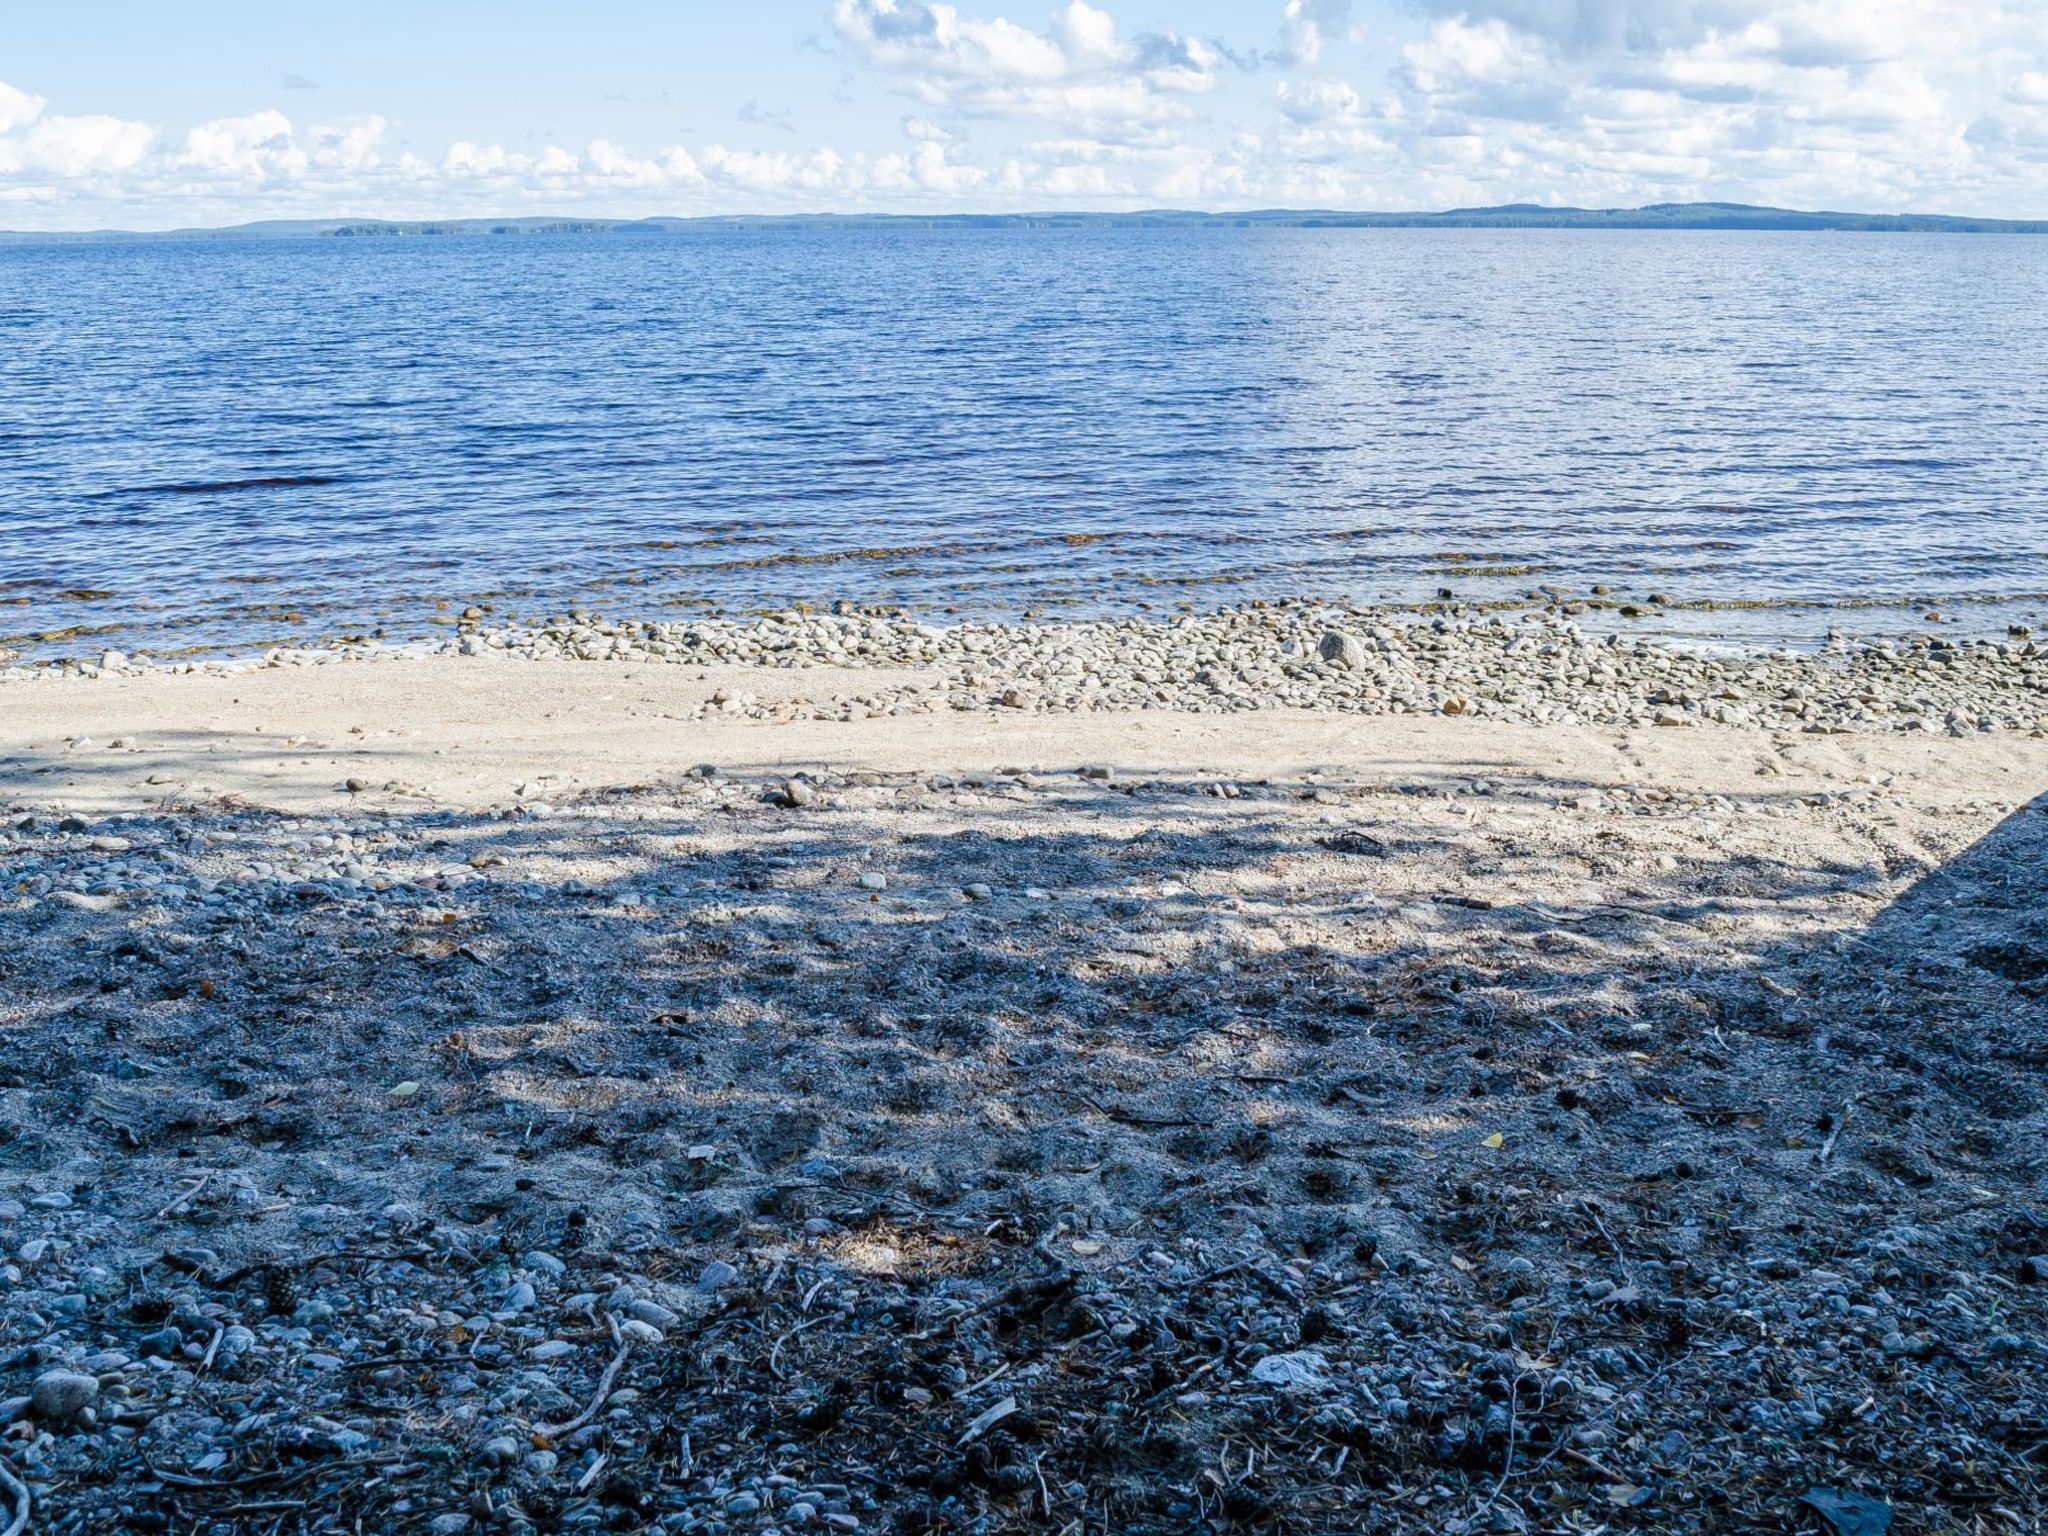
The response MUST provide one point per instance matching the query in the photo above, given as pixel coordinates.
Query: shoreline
(1535, 668)
(1650, 616)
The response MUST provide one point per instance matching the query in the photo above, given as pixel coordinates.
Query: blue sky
(153, 116)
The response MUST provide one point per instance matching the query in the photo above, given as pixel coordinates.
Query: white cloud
(247, 148)
(356, 147)
(1307, 27)
(1313, 103)
(1458, 52)
(936, 171)
(1938, 104)
(71, 147)
(63, 148)
(1887, 103)
(1078, 69)
(17, 108)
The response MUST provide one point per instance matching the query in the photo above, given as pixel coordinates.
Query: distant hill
(1686, 216)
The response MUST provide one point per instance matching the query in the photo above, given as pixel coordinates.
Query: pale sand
(467, 733)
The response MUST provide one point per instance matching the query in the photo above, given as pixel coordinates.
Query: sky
(153, 116)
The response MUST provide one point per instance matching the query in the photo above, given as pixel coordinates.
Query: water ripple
(983, 422)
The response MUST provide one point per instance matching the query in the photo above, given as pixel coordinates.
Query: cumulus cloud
(75, 147)
(1317, 103)
(1610, 25)
(1307, 27)
(1939, 104)
(1887, 103)
(17, 108)
(1077, 69)
(253, 147)
(63, 148)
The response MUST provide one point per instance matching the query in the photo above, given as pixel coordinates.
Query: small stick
(188, 1197)
(1046, 1289)
(213, 1348)
(1827, 1148)
(1593, 1211)
(18, 1490)
(1507, 1466)
(1183, 1384)
(264, 1266)
(604, 1390)
(774, 1361)
(215, 1485)
(1588, 1462)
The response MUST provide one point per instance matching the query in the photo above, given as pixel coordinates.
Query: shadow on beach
(1580, 1159)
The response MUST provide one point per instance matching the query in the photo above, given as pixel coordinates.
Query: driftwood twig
(18, 1491)
(604, 1390)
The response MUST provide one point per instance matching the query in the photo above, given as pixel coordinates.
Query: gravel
(1539, 667)
(1488, 1150)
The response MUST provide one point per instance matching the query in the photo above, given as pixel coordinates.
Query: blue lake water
(226, 443)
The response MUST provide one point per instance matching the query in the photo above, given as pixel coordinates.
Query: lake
(210, 445)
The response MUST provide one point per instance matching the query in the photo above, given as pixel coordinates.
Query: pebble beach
(1539, 668)
(1294, 1068)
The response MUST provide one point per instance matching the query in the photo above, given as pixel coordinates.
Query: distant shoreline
(1738, 217)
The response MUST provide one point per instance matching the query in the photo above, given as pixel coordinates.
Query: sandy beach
(561, 1093)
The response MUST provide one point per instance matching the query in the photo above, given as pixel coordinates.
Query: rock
(796, 794)
(1342, 650)
(62, 1397)
(717, 1276)
(546, 1263)
(978, 892)
(1849, 1514)
(874, 882)
(1300, 1370)
(500, 1451)
(651, 1314)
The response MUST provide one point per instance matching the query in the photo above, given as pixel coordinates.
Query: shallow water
(225, 443)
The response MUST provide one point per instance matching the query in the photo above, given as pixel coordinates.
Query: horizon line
(1500, 214)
